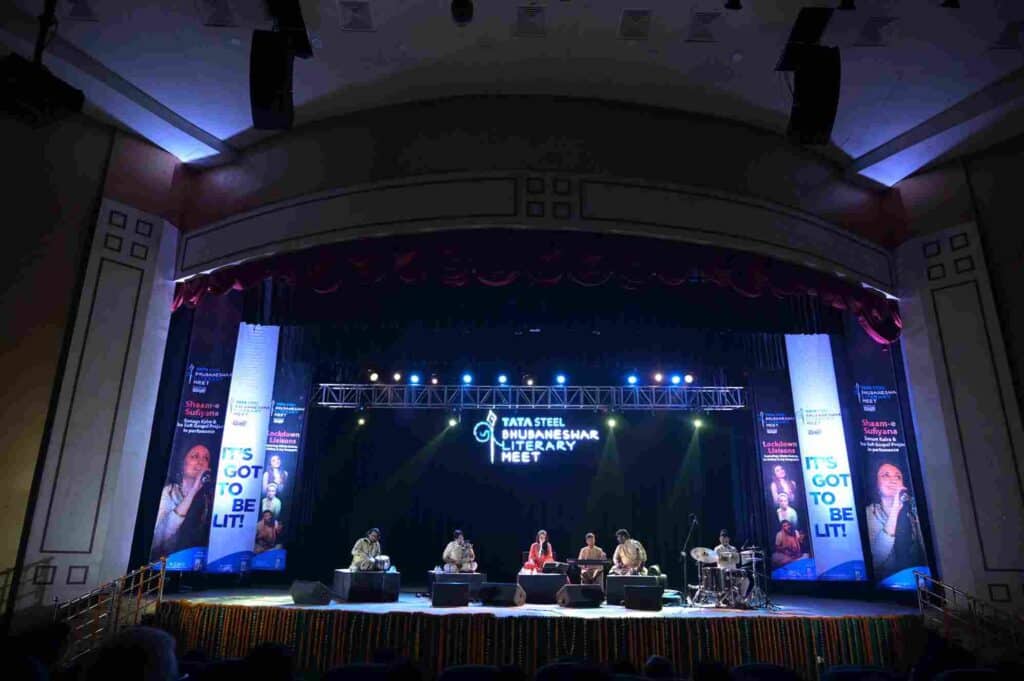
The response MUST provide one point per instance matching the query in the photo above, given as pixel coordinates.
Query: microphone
(905, 496)
(693, 518)
(205, 478)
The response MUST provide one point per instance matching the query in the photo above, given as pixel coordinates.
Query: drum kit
(729, 579)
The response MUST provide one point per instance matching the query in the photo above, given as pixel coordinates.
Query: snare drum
(382, 563)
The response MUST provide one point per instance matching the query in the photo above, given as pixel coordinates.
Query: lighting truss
(453, 397)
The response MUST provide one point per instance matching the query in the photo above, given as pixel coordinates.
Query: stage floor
(786, 606)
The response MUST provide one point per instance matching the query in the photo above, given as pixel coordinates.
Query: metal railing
(571, 397)
(99, 614)
(974, 624)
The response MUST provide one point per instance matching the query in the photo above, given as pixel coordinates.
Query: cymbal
(703, 555)
(753, 556)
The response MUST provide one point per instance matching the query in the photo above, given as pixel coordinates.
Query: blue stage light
(676, 379)
(560, 379)
(631, 379)
(502, 379)
(414, 378)
(467, 378)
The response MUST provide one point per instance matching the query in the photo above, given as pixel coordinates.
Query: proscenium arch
(536, 200)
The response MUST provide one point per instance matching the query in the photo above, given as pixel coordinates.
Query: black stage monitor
(580, 596)
(450, 594)
(500, 594)
(643, 597)
(310, 593)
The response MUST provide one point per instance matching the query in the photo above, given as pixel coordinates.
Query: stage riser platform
(324, 638)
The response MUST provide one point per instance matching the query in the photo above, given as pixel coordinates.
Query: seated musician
(540, 553)
(591, 574)
(364, 551)
(728, 555)
(458, 555)
(787, 545)
(629, 556)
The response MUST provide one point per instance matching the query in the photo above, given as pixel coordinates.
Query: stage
(803, 633)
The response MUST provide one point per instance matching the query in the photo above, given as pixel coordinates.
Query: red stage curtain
(504, 258)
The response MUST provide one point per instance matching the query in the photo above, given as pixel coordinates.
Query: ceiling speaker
(270, 81)
(815, 96)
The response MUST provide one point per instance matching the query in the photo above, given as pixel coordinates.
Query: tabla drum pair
(382, 563)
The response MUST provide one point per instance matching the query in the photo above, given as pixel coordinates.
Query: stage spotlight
(433, 380)
(658, 377)
(688, 378)
(462, 11)
(502, 379)
(697, 423)
(529, 380)
(631, 379)
(374, 376)
(397, 377)
(676, 379)
(452, 422)
(467, 378)
(361, 421)
(611, 423)
(560, 379)
(414, 378)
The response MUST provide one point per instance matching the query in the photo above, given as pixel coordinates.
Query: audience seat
(860, 673)
(571, 671)
(358, 672)
(471, 672)
(763, 672)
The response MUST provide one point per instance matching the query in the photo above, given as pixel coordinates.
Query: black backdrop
(409, 474)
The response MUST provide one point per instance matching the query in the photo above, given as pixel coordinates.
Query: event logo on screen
(828, 489)
(522, 439)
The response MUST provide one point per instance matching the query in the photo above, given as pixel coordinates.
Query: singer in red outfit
(540, 553)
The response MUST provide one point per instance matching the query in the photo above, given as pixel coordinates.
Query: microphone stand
(686, 562)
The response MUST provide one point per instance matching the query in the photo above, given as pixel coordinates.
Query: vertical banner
(240, 469)
(832, 519)
(186, 500)
(283, 451)
(792, 555)
(891, 517)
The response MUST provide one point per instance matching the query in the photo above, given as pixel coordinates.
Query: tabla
(382, 563)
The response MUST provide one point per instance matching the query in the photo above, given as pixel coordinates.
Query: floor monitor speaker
(643, 597)
(502, 594)
(449, 594)
(580, 596)
(310, 593)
